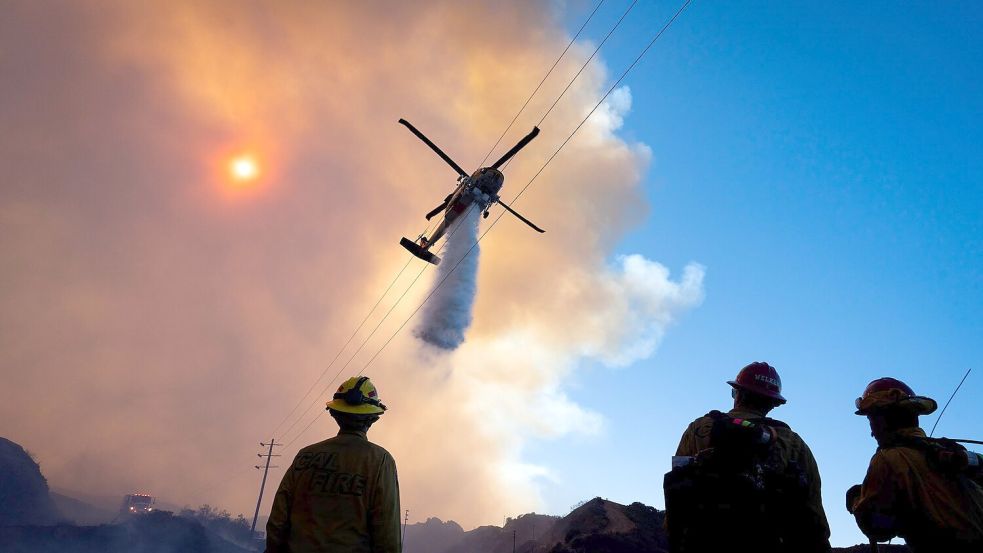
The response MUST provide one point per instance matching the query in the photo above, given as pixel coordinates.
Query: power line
(428, 227)
(350, 338)
(543, 118)
(450, 234)
(948, 402)
(546, 76)
(581, 70)
(350, 359)
(606, 94)
(541, 169)
(344, 347)
(410, 260)
(584, 66)
(391, 284)
(524, 188)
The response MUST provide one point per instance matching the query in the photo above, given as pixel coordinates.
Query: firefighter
(744, 482)
(918, 488)
(340, 495)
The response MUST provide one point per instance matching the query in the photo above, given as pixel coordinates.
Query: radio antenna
(948, 402)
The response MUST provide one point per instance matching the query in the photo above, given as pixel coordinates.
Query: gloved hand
(852, 495)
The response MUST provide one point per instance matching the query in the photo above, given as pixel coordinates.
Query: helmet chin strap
(353, 395)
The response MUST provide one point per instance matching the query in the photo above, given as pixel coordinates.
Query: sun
(243, 169)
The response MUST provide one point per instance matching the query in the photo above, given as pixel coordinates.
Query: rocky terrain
(597, 526)
(35, 520)
(31, 521)
(159, 532)
(881, 548)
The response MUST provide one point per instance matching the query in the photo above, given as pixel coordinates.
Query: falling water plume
(447, 315)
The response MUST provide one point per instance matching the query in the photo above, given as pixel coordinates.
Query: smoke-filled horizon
(158, 319)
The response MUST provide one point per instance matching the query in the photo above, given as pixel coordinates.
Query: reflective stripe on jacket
(903, 495)
(790, 446)
(338, 496)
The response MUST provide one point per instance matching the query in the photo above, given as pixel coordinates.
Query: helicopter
(478, 189)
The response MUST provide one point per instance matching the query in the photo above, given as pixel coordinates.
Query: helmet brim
(343, 406)
(920, 405)
(771, 395)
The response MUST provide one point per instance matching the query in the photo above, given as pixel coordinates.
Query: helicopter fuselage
(480, 190)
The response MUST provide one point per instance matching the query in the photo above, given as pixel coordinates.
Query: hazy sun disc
(243, 169)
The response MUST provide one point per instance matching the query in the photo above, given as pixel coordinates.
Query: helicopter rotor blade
(515, 149)
(521, 218)
(433, 147)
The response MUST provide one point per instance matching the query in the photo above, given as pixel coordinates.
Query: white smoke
(144, 298)
(448, 313)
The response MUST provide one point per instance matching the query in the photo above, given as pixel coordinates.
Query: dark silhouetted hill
(159, 532)
(80, 512)
(597, 526)
(30, 522)
(602, 526)
(881, 548)
(24, 495)
(434, 535)
(526, 530)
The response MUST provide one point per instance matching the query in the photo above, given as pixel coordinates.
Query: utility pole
(266, 469)
(513, 541)
(406, 517)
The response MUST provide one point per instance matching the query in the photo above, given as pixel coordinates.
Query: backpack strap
(767, 421)
(774, 423)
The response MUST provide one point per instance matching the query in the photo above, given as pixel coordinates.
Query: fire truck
(137, 504)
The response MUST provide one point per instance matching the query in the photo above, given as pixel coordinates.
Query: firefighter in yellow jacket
(340, 495)
(918, 488)
(785, 473)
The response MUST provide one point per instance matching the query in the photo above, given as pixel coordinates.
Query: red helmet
(885, 393)
(760, 378)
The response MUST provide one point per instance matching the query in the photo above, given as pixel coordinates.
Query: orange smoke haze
(153, 331)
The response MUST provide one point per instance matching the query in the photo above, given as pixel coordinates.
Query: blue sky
(822, 161)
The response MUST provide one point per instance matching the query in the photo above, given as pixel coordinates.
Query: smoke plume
(157, 320)
(447, 314)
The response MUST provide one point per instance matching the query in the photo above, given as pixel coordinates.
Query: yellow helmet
(357, 396)
(891, 393)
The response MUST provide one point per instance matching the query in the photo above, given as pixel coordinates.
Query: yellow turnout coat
(338, 496)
